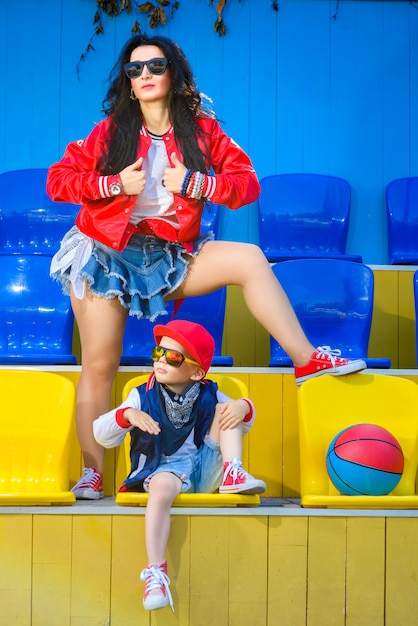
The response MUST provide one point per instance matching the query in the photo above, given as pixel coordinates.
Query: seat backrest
(207, 310)
(415, 288)
(402, 220)
(36, 423)
(233, 387)
(333, 301)
(36, 318)
(303, 215)
(210, 219)
(327, 405)
(30, 222)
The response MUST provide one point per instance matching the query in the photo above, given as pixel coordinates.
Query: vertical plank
(209, 550)
(128, 560)
(313, 33)
(82, 92)
(326, 571)
(25, 126)
(90, 571)
(401, 571)
(4, 46)
(16, 569)
(384, 335)
(207, 61)
(178, 559)
(262, 19)
(291, 454)
(235, 224)
(407, 334)
(396, 88)
(262, 346)
(289, 95)
(287, 557)
(248, 570)
(266, 436)
(51, 587)
(239, 325)
(357, 33)
(413, 89)
(365, 570)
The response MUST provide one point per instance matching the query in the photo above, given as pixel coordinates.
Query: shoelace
(87, 479)
(235, 469)
(326, 352)
(155, 577)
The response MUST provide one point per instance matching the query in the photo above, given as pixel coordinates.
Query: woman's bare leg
(101, 325)
(223, 263)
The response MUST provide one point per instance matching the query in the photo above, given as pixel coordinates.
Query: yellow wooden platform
(276, 566)
(256, 566)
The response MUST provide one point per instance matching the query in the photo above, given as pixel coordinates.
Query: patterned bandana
(179, 408)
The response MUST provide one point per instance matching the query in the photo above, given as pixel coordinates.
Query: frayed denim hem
(141, 276)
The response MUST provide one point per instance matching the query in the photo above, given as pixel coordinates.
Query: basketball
(365, 459)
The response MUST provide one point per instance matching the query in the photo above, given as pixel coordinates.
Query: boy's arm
(110, 428)
(248, 420)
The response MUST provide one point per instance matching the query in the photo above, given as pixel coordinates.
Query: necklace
(156, 136)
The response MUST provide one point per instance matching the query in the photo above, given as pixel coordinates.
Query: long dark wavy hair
(185, 104)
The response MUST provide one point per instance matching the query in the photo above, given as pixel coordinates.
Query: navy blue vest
(150, 446)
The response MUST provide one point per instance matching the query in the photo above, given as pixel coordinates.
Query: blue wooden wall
(318, 86)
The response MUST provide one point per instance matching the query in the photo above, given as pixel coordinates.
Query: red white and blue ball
(365, 459)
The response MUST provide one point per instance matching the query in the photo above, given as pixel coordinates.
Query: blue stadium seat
(415, 287)
(210, 219)
(36, 319)
(207, 310)
(304, 215)
(30, 222)
(333, 300)
(402, 220)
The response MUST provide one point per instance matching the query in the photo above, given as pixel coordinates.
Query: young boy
(186, 436)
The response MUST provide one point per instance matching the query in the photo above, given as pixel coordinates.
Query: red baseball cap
(193, 337)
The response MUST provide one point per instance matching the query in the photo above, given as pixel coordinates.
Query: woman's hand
(174, 176)
(133, 178)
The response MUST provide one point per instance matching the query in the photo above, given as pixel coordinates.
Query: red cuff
(248, 417)
(120, 420)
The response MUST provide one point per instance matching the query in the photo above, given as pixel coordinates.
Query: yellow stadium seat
(327, 405)
(36, 425)
(232, 387)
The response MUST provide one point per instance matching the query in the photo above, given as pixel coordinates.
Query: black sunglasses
(172, 357)
(154, 66)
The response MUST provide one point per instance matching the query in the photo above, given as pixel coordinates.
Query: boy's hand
(232, 413)
(142, 420)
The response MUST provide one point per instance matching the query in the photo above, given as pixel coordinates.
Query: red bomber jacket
(106, 218)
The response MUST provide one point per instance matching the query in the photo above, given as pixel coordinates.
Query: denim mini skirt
(140, 276)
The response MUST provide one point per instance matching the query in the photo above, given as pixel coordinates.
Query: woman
(142, 177)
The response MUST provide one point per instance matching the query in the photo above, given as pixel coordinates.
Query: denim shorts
(140, 276)
(199, 473)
